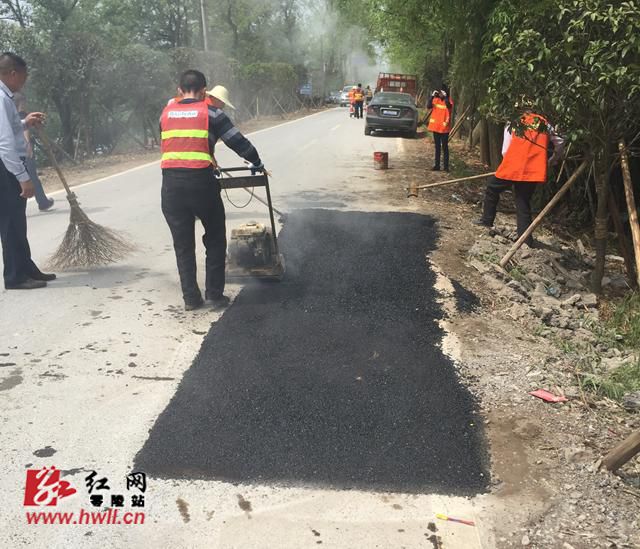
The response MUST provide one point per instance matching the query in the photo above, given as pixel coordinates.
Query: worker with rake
(190, 128)
(525, 159)
(20, 272)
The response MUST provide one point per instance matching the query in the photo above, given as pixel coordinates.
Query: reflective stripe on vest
(185, 136)
(440, 120)
(526, 157)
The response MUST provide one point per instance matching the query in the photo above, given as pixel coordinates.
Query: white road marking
(335, 127)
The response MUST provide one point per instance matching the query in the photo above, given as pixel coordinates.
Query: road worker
(358, 97)
(352, 101)
(523, 168)
(441, 106)
(190, 128)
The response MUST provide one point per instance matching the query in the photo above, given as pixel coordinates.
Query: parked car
(392, 111)
(344, 95)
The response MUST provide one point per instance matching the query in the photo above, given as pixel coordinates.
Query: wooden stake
(622, 453)
(544, 212)
(614, 212)
(450, 181)
(631, 204)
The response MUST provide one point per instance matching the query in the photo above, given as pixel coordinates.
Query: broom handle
(48, 149)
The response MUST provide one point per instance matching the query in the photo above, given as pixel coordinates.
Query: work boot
(435, 169)
(47, 206)
(219, 302)
(482, 223)
(193, 305)
(46, 277)
(29, 284)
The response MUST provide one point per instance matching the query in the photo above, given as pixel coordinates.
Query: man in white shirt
(20, 272)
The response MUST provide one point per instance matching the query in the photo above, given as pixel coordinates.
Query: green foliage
(100, 66)
(576, 61)
(615, 384)
(625, 320)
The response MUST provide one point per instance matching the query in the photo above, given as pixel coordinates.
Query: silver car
(392, 111)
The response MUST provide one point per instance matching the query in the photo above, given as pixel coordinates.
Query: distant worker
(218, 97)
(20, 272)
(368, 95)
(190, 128)
(441, 106)
(523, 168)
(352, 101)
(359, 100)
(44, 202)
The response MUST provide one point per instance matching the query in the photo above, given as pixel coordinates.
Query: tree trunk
(484, 142)
(495, 145)
(601, 174)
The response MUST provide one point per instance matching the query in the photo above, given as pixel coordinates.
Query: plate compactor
(253, 248)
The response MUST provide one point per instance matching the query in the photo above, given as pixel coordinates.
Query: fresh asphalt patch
(333, 377)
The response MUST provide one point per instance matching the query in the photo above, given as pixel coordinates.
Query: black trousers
(523, 192)
(442, 144)
(358, 108)
(16, 254)
(187, 195)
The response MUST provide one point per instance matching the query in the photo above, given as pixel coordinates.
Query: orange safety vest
(440, 119)
(352, 96)
(185, 136)
(359, 95)
(526, 157)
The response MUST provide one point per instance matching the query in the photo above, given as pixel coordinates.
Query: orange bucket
(380, 160)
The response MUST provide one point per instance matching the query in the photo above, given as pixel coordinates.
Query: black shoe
(29, 284)
(47, 206)
(193, 305)
(218, 303)
(46, 277)
(435, 169)
(482, 223)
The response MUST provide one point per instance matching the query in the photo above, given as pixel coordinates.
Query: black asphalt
(332, 377)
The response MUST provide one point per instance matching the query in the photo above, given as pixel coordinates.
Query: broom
(85, 244)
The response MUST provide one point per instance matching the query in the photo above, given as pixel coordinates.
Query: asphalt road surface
(333, 376)
(353, 391)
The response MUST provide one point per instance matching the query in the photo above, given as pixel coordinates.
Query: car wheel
(367, 130)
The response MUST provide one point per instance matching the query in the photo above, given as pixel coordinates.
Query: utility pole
(205, 42)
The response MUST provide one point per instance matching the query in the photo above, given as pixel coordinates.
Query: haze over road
(90, 363)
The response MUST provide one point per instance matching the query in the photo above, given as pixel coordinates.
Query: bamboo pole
(614, 212)
(631, 204)
(544, 212)
(451, 181)
(458, 123)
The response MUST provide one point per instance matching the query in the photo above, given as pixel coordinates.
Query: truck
(394, 82)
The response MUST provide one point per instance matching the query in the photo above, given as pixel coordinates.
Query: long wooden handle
(450, 181)
(48, 149)
(544, 212)
(631, 204)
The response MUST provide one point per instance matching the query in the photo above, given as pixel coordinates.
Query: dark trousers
(16, 254)
(187, 195)
(523, 192)
(442, 144)
(358, 107)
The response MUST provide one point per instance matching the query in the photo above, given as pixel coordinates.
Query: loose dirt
(547, 490)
